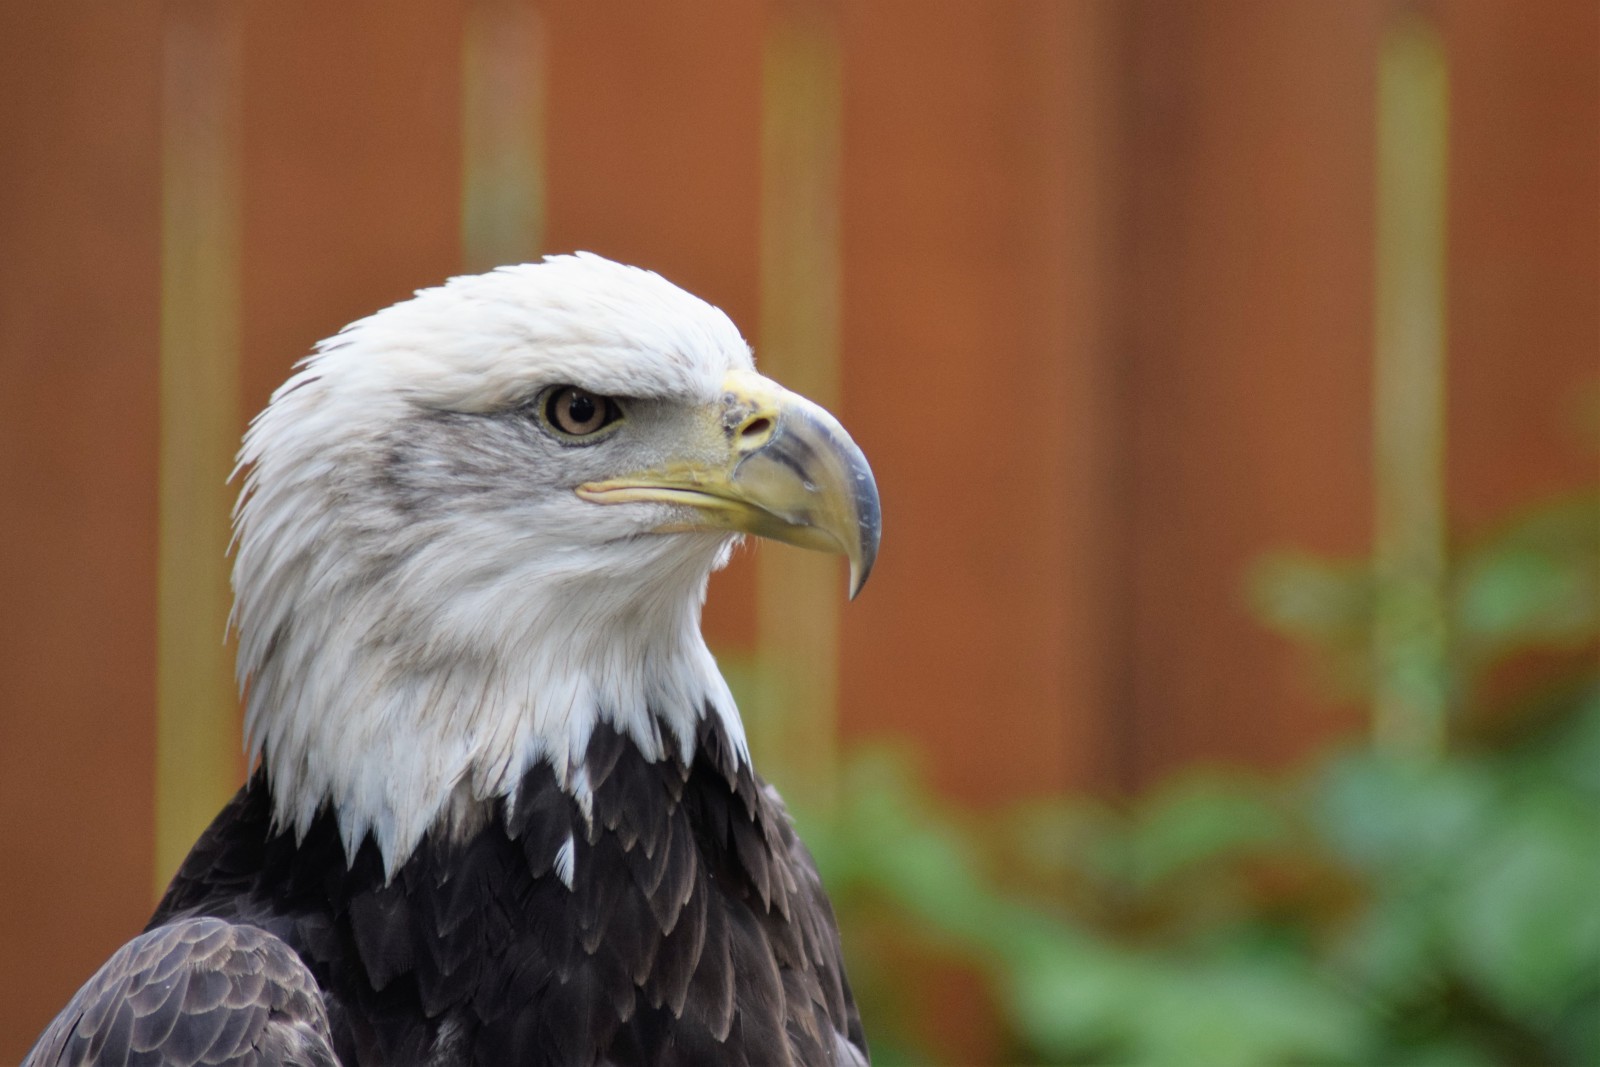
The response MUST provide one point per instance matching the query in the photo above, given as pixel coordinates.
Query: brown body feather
(695, 930)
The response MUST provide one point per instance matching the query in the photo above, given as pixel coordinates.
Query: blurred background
(1226, 692)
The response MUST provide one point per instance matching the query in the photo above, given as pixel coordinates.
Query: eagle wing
(849, 1041)
(198, 991)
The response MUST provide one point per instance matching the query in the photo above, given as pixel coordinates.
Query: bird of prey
(502, 810)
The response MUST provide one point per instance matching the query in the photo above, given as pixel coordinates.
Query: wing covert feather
(195, 992)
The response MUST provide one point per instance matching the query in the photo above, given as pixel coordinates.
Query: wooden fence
(1091, 282)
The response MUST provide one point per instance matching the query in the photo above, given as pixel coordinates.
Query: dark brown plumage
(695, 932)
(191, 992)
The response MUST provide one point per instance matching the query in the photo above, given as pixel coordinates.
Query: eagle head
(478, 522)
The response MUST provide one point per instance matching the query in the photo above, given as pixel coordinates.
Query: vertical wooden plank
(79, 108)
(972, 192)
(352, 168)
(1410, 699)
(1073, 74)
(798, 594)
(654, 156)
(1524, 258)
(198, 765)
(502, 134)
(1248, 309)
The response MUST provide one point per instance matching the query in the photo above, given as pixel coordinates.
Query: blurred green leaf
(1525, 912)
(1537, 581)
(1400, 819)
(1313, 597)
(1371, 910)
(1247, 1011)
(1198, 819)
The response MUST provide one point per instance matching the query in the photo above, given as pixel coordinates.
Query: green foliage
(1534, 584)
(1373, 910)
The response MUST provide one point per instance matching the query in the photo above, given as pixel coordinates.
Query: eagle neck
(406, 708)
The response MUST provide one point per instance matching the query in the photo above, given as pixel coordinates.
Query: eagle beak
(766, 462)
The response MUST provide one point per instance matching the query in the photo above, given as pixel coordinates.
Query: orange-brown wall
(79, 291)
(1107, 279)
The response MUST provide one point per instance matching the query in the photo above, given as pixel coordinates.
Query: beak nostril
(755, 427)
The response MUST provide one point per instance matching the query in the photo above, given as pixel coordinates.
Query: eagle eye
(574, 412)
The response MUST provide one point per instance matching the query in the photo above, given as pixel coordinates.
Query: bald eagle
(503, 811)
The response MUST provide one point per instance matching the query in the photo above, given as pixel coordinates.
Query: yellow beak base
(788, 471)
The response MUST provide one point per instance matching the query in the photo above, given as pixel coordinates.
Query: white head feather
(425, 609)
